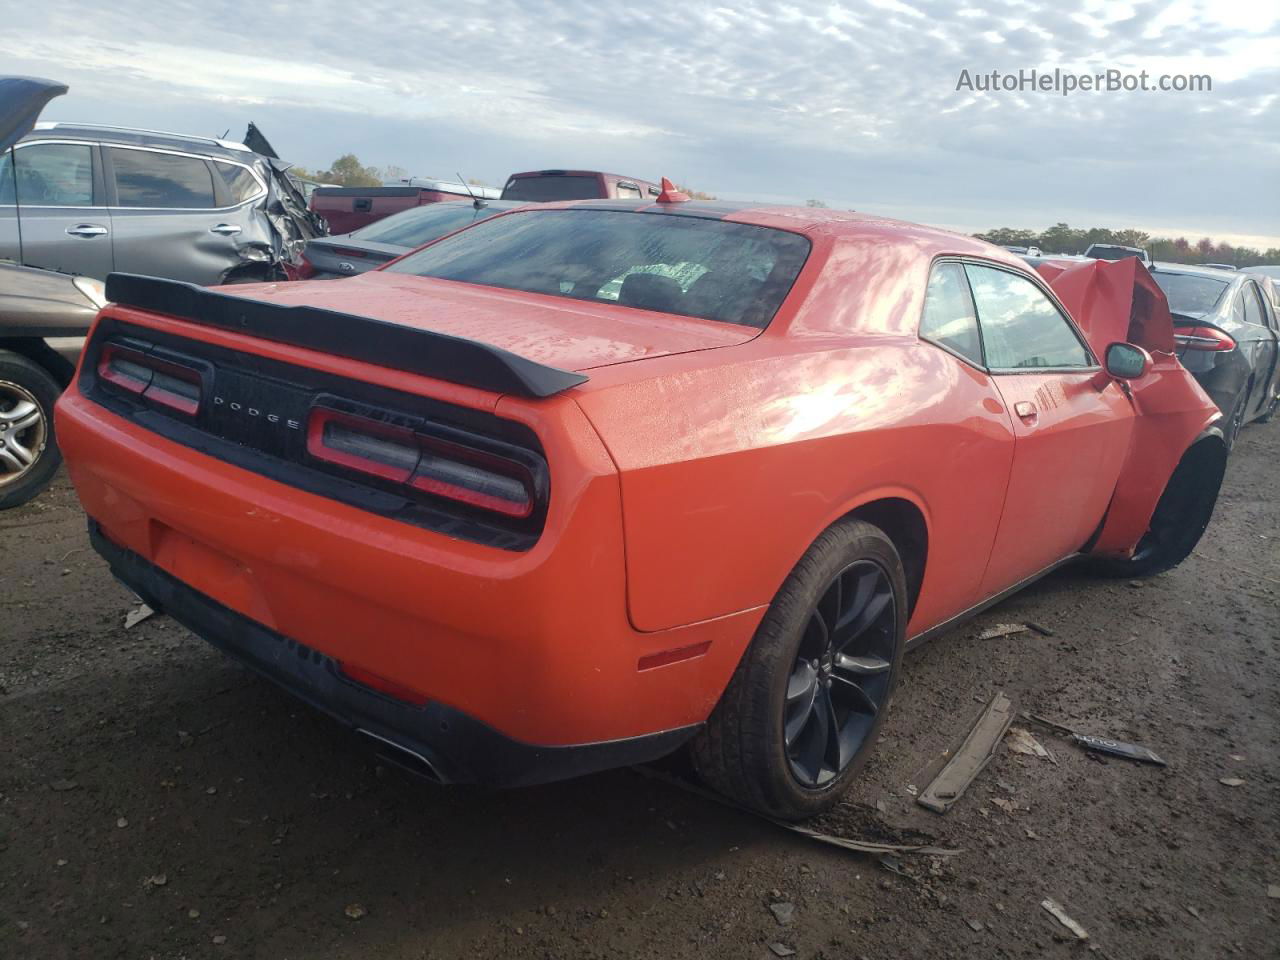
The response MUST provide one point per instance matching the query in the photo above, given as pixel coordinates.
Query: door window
(49, 175)
(949, 319)
(1253, 306)
(158, 180)
(1022, 329)
(241, 184)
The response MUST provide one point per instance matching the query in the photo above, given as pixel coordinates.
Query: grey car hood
(21, 100)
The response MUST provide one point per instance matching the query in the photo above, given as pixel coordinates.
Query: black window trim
(113, 201)
(1035, 279)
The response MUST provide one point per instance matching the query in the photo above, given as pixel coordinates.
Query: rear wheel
(1180, 517)
(802, 711)
(29, 454)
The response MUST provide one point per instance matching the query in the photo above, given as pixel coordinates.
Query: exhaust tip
(403, 757)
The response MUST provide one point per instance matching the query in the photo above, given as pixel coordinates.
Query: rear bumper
(448, 745)
(532, 646)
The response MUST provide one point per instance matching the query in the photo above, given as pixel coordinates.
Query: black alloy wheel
(840, 678)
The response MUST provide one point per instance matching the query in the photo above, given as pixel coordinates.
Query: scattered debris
(1021, 741)
(781, 950)
(1116, 748)
(193, 913)
(1273, 891)
(784, 913)
(137, 615)
(1043, 631)
(219, 939)
(1003, 630)
(122, 823)
(1059, 914)
(896, 867)
(975, 925)
(1008, 806)
(158, 880)
(1194, 912)
(859, 846)
(968, 760)
(61, 786)
(1231, 782)
(355, 911)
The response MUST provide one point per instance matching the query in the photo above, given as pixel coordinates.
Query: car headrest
(649, 291)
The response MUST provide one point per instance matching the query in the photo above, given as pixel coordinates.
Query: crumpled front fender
(1120, 300)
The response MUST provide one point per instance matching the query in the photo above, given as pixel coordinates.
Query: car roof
(813, 221)
(135, 137)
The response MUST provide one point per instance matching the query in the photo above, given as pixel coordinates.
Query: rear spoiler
(438, 355)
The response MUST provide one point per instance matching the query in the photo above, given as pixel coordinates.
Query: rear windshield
(1113, 253)
(544, 189)
(1189, 294)
(731, 272)
(413, 228)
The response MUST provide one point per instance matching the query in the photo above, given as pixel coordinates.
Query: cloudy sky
(854, 103)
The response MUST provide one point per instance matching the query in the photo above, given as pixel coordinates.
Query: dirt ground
(157, 801)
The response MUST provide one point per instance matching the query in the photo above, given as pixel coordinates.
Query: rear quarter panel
(730, 470)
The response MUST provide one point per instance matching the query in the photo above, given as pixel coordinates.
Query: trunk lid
(344, 257)
(551, 330)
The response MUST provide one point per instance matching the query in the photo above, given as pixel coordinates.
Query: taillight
(1203, 338)
(439, 464)
(156, 380)
(304, 269)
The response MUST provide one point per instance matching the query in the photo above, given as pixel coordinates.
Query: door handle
(87, 230)
(226, 229)
(1025, 409)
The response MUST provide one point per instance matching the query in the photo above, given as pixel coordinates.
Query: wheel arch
(42, 355)
(905, 521)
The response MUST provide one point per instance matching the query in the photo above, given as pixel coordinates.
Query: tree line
(1061, 238)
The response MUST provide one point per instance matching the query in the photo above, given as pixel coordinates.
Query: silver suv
(93, 199)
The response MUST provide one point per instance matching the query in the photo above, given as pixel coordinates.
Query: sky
(852, 103)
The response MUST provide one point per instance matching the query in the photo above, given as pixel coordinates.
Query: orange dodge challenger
(589, 482)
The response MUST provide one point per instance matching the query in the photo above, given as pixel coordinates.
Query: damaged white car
(87, 200)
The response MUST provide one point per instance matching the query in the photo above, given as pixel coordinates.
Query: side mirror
(1125, 361)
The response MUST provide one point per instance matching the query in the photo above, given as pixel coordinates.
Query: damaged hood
(1113, 300)
(21, 100)
(562, 333)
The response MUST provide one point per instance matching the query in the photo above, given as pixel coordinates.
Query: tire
(1180, 517)
(744, 751)
(29, 454)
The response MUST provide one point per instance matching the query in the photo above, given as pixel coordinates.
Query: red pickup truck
(349, 208)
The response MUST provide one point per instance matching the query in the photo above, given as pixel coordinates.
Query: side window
(627, 191)
(1021, 327)
(1237, 307)
(146, 179)
(49, 175)
(1252, 308)
(240, 182)
(948, 317)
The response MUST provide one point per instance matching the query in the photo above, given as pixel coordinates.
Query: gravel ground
(157, 801)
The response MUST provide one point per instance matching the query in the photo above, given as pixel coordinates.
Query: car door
(1262, 349)
(166, 215)
(60, 221)
(1071, 425)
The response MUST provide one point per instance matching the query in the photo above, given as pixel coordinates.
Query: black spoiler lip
(437, 355)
